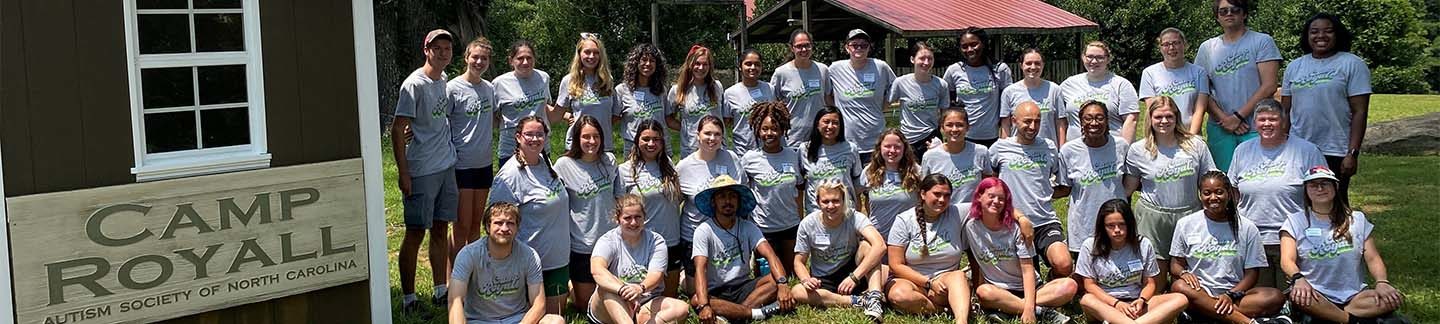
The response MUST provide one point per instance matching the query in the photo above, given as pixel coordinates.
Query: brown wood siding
(64, 91)
(339, 304)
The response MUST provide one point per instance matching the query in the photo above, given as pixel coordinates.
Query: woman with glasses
(1100, 85)
(800, 84)
(1182, 81)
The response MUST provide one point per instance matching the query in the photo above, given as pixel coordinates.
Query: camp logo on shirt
(645, 108)
(832, 255)
(918, 246)
(700, 109)
(828, 169)
(1119, 278)
(633, 274)
(745, 110)
(866, 90)
(1211, 249)
(1325, 248)
(1314, 79)
(1029, 162)
(961, 177)
(1263, 171)
(924, 104)
(805, 93)
(727, 255)
(889, 189)
(1176, 88)
(477, 106)
(1044, 106)
(590, 98)
(440, 111)
(1175, 172)
(1098, 174)
(530, 103)
(772, 179)
(553, 192)
(497, 287)
(598, 184)
(996, 255)
(1096, 95)
(647, 184)
(972, 88)
(1232, 64)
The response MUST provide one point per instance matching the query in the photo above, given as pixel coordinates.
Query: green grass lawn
(1398, 193)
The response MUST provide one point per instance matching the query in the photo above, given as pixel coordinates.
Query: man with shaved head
(1027, 162)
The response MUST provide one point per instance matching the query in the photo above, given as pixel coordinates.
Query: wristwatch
(1293, 278)
(1235, 295)
(1353, 152)
(783, 280)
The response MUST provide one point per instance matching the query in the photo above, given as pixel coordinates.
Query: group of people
(814, 187)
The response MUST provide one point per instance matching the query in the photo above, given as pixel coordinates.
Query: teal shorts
(1222, 144)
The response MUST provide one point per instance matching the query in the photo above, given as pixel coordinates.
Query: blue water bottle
(764, 266)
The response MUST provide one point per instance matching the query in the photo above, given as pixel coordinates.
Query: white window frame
(167, 165)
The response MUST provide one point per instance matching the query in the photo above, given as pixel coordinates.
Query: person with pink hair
(1002, 260)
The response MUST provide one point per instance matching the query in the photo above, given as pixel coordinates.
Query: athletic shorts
(1158, 224)
(432, 198)
(1045, 235)
(735, 293)
(679, 257)
(580, 268)
(832, 281)
(557, 281)
(788, 234)
(477, 178)
(689, 262)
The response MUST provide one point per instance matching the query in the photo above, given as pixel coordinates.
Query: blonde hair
(682, 84)
(833, 186)
(500, 208)
(1182, 135)
(479, 42)
(626, 201)
(1171, 30)
(1097, 44)
(577, 75)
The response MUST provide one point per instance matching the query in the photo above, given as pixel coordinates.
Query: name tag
(756, 94)
(892, 177)
(722, 169)
(1135, 265)
(787, 167)
(868, 77)
(822, 240)
(639, 95)
(812, 83)
(1313, 231)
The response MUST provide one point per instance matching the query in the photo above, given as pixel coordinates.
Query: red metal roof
(942, 15)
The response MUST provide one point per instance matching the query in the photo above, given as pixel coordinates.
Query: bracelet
(1387, 282)
(1116, 303)
(1237, 115)
(1143, 300)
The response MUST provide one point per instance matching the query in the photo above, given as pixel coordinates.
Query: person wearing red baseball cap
(425, 158)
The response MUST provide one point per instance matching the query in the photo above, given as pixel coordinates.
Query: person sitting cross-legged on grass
(925, 250)
(1002, 260)
(723, 246)
(628, 264)
(843, 250)
(1322, 249)
(497, 279)
(1215, 256)
(1120, 272)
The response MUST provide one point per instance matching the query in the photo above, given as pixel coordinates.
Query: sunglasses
(589, 36)
(1226, 11)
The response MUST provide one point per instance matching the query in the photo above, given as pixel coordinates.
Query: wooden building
(190, 161)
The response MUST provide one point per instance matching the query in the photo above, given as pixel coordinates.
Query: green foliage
(1389, 79)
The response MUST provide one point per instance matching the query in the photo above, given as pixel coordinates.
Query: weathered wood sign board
(152, 251)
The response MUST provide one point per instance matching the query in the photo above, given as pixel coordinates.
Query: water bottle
(764, 266)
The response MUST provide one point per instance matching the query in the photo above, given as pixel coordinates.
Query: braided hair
(927, 183)
(1232, 209)
(519, 130)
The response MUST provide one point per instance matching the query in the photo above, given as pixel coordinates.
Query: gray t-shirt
(1047, 96)
(695, 176)
(944, 239)
(1121, 274)
(593, 188)
(631, 263)
(1214, 253)
(830, 248)
(837, 161)
(1320, 91)
(662, 213)
(499, 288)
(978, 88)
(738, 101)
(518, 98)
(1094, 175)
(920, 105)
(546, 206)
(964, 169)
(472, 122)
(590, 103)
(1182, 85)
(1168, 178)
(1271, 182)
(804, 93)
(1027, 170)
(696, 105)
(860, 95)
(638, 105)
(775, 177)
(998, 253)
(423, 100)
(1232, 68)
(887, 200)
(1116, 92)
(1331, 265)
(729, 250)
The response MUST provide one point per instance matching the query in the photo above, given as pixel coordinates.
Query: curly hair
(774, 110)
(632, 68)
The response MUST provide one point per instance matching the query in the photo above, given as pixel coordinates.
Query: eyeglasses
(533, 135)
(1097, 58)
(1171, 44)
(858, 45)
(589, 36)
(1226, 11)
(803, 46)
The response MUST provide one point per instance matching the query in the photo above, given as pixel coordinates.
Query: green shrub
(1389, 79)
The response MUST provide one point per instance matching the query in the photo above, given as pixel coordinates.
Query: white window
(196, 88)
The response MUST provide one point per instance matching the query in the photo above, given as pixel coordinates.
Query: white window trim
(203, 161)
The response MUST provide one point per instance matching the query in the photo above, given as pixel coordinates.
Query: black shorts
(986, 142)
(477, 178)
(688, 263)
(788, 234)
(832, 281)
(580, 268)
(679, 256)
(735, 293)
(1045, 235)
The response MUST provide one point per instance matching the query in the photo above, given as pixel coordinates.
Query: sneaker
(1050, 315)
(1282, 319)
(413, 308)
(770, 310)
(996, 317)
(872, 305)
(441, 301)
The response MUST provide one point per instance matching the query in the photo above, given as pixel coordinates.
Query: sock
(756, 314)
(854, 300)
(441, 290)
(409, 298)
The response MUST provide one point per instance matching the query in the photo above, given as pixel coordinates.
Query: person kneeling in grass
(496, 279)
(1002, 260)
(1322, 249)
(628, 264)
(1120, 271)
(723, 246)
(1215, 256)
(843, 250)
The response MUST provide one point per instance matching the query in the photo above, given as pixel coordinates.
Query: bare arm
(600, 269)
(1197, 115)
(1359, 115)
(1005, 127)
(1127, 130)
(457, 301)
(1373, 262)
(1027, 270)
(1269, 81)
(1062, 126)
(537, 304)
(900, 270)
(1132, 184)
(871, 260)
(1288, 254)
(397, 144)
(1060, 192)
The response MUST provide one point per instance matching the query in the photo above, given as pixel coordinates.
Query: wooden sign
(158, 250)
